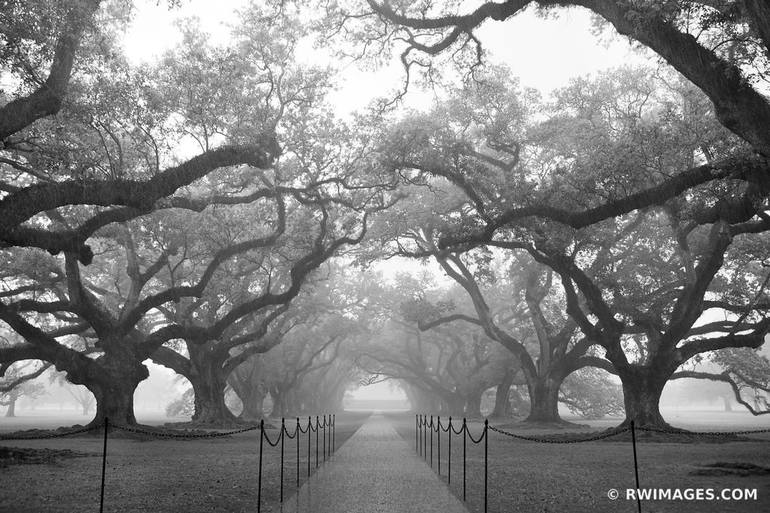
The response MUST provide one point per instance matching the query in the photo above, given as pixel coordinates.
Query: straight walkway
(375, 471)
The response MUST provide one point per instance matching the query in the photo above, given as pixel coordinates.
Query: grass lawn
(537, 477)
(220, 475)
(191, 476)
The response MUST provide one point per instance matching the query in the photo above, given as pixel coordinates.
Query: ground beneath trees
(537, 477)
(220, 475)
(164, 476)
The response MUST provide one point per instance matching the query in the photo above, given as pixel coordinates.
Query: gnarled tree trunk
(544, 400)
(253, 399)
(502, 397)
(11, 411)
(473, 404)
(642, 388)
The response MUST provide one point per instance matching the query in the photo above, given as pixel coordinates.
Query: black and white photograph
(384, 256)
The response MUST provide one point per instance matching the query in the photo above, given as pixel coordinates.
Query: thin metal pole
(316, 440)
(324, 436)
(419, 435)
(104, 463)
(438, 433)
(486, 458)
(431, 441)
(465, 436)
(416, 428)
(297, 433)
(259, 479)
(449, 462)
(309, 423)
(283, 439)
(636, 468)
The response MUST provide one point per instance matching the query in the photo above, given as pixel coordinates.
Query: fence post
(449, 452)
(309, 436)
(438, 433)
(297, 433)
(431, 441)
(104, 463)
(324, 437)
(283, 439)
(636, 468)
(317, 429)
(465, 435)
(422, 441)
(259, 479)
(486, 458)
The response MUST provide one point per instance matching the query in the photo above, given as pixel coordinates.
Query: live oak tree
(69, 165)
(447, 366)
(722, 47)
(524, 315)
(608, 140)
(304, 351)
(247, 381)
(17, 381)
(49, 300)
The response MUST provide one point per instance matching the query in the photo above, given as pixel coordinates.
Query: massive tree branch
(723, 377)
(47, 99)
(738, 106)
(140, 196)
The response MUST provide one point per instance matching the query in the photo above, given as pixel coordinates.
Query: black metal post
(416, 429)
(438, 433)
(259, 479)
(317, 429)
(424, 436)
(465, 435)
(431, 441)
(324, 436)
(104, 463)
(309, 423)
(283, 439)
(419, 434)
(486, 458)
(449, 458)
(636, 468)
(296, 432)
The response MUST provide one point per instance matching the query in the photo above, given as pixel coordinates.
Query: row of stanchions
(326, 429)
(425, 427)
(329, 445)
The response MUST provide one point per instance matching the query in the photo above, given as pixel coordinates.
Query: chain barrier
(329, 421)
(48, 436)
(424, 443)
(329, 427)
(188, 436)
(707, 433)
(558, 441)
